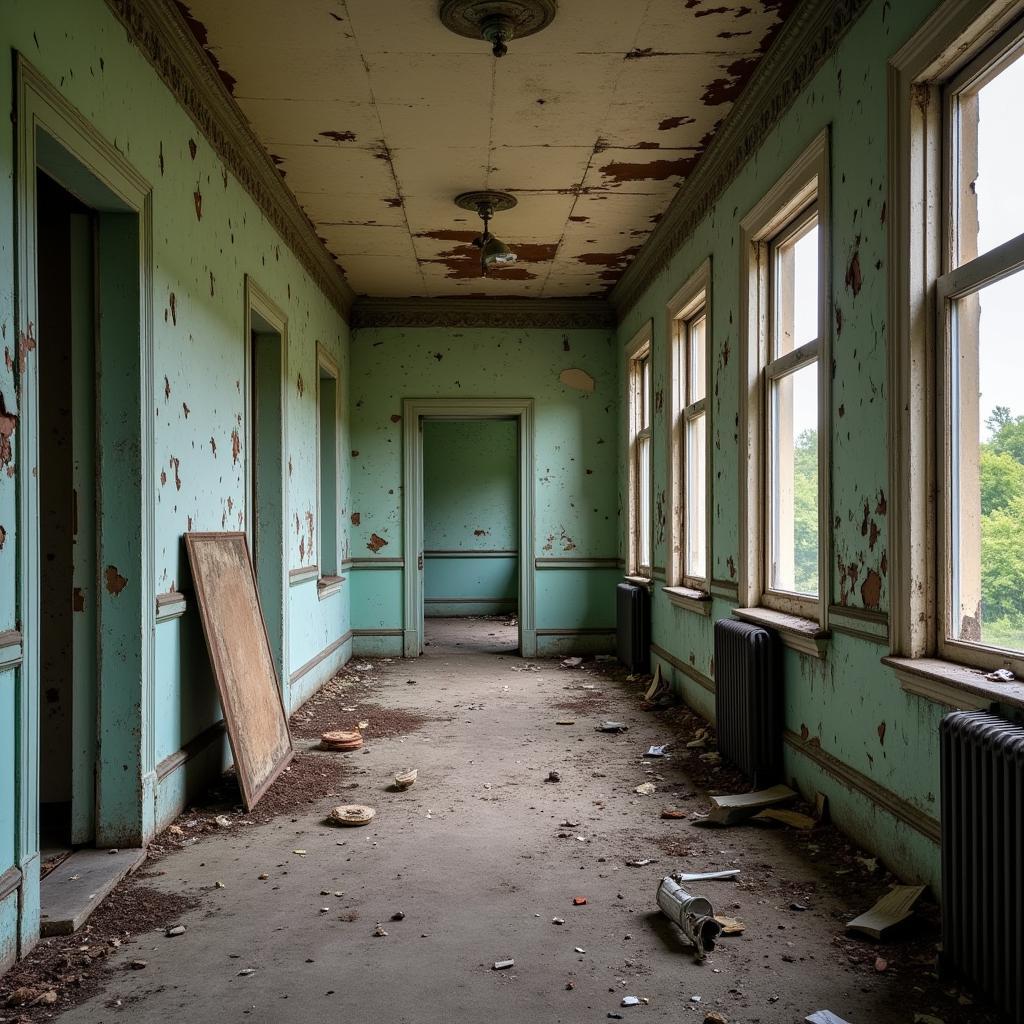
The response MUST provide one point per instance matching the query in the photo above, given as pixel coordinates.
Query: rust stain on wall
(376, 543)
(871, 590)
(115, 582)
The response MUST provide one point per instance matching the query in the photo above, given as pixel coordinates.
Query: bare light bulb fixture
(497, 21)
(494, 253)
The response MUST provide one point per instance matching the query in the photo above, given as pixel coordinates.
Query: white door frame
(414, 411)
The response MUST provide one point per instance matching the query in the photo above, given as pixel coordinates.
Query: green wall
(470, 516)
(575, 468)
(203, 249)
(848, 705)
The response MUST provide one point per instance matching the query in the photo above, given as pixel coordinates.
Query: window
(981, 362)
(640, 485)
(689, 435)
(328, 467)
(784, 505)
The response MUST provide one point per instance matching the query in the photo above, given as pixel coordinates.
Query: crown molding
(558, 314)
(159, 31)
(808, 37)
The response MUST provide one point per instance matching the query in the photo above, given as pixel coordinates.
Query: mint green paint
(329, 471)
(83, 387)
(575, 447)
(844, 700)
(193, 401)
(470, 506)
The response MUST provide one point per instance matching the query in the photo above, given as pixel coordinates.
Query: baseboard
(553, 643)
(188, 771)
(320, 669)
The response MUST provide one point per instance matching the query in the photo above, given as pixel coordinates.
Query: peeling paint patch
(115, 582)
(300, 385)
(854, 278)
(26, 344)
(192, 148)
(78, 600)
(675, 122)
(656, 170)
(881, 733)
(376, 542)
(336, 136)
(357, 518)
(3, 538)
(185, 409)
(197, 198)
(175, 463)
(236, 446)
(8, 424)
(871, 590)
(577, 379)
(395, 418)
(174, 309)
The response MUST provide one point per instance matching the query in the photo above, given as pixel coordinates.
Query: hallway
(478, 857)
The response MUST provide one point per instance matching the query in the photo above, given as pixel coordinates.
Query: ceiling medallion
(497, 21)
(494, 253)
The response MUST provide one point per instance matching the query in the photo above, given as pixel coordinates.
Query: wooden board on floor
(77, 886)
(243, 667)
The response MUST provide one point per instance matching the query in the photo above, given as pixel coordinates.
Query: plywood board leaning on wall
(243, 668)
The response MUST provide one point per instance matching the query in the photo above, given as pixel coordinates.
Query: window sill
(327, 586)
(640, 581)
(954, 685)
(697, 601)
(803, 635)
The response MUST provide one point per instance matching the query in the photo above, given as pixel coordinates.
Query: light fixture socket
(494, 252)
(497, 21)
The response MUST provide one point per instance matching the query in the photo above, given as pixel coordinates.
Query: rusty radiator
(633, 626)
(748, 700)
(982, 798)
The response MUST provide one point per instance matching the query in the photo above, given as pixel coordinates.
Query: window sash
(776, 369)
(640, 482)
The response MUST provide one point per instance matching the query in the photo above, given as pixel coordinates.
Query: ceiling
(378, 116)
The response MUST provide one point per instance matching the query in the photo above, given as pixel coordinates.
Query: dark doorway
(67, 520)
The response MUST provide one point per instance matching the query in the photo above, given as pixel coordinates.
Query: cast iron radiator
(633, 626)
(982, 798)
(748, 700)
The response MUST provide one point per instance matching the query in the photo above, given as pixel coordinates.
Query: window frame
(803, 188)
(956, 281)
(951, 44)
(328, 563)
(691, 302)
(639, 355)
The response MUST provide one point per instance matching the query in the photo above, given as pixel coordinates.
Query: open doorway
(265, 467)
(470, 536)
(461, 461)
(67, 522)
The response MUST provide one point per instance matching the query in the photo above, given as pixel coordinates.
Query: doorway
(266, 444)
(470, 536)
(468, 526)
(69, 576)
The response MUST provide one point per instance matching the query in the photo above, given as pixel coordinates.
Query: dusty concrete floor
(474, 856)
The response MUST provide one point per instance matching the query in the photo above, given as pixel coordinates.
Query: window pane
(794, 483)
(645, 393)
(796, 290)
(988, 467)
(991, 207)
(695, 369)
(644, 508)
(696, 480)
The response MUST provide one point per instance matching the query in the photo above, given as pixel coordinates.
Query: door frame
(259, 302)
(414, 412)
(53, 136)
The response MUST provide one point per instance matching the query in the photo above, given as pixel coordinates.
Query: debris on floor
(572, 662)
(341, 739)
(351, 814)
(503, 965)
(824, 1017)
(794, 819)
(609, 726)
(646, 789)
(705, 876)
(554, 776)
(673, 813)
(730, 925)
(892, 909)
(693, 914)
(405, 779)
(730, 809)
(658, 751)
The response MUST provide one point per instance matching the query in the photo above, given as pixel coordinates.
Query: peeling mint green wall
(207, 236)
(843, 701)
(575, 463)
(470, 516)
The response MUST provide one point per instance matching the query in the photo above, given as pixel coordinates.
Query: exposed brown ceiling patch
(726, 90)
(656, 170)
(198, 29)
(335, 136)
(675, 122)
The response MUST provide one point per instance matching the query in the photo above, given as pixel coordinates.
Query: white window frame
(691, 302)
(804, 186)
(638, 353)
(328, 562)
(922, 284)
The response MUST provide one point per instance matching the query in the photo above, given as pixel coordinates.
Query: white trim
(258, 301)
(325, 361)
(640, 346)
(414, 411)
(688, 301)
(806, 181)
(944, 44)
